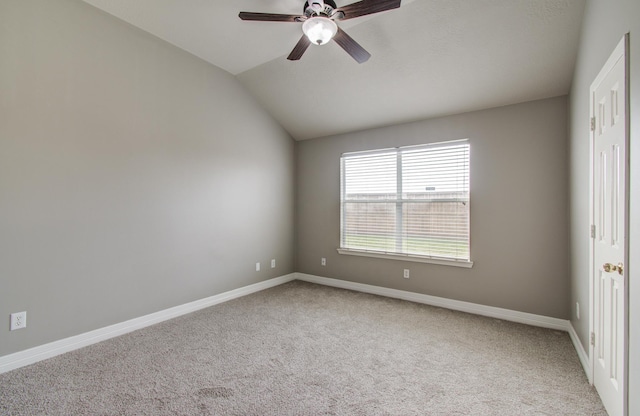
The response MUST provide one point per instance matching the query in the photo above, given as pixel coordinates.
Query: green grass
(412, 245)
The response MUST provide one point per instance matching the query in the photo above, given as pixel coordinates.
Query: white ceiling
(429, 58)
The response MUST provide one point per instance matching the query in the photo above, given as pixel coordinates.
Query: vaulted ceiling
(429, 57)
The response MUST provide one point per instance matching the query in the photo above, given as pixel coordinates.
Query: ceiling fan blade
(271, 17)
(299, 49)
(365, 7)
(352, 47)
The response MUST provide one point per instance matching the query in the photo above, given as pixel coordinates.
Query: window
(410, 202)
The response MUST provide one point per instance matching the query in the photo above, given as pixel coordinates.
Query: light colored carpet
(304, 349)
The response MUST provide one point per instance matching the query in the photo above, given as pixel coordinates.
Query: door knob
(608, 267)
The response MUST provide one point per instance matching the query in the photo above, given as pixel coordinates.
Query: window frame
(400, 202)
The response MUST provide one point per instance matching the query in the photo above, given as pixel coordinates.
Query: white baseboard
(582, 353)
(42, 352)
(474, 308)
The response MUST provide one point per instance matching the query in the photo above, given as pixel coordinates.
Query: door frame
(621, 50)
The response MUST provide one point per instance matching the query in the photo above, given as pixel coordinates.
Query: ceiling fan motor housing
(319, 8)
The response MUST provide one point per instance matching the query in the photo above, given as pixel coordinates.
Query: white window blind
(409, 201)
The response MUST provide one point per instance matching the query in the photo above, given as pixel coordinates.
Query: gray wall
(518, 209)
(133, 176)
(605, 22)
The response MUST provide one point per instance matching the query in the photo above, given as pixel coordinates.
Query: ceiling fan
(319, 26)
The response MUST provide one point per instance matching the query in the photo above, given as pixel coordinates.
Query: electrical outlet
(323, 261)
(578, 310)
(18, 320)
(273, 263)
(258, 266)
(406, 273)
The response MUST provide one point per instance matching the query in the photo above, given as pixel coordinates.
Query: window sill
(406, 257)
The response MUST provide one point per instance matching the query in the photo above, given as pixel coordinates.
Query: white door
(609, 139)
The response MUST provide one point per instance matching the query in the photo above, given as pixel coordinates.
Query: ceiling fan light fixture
(319, 30)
